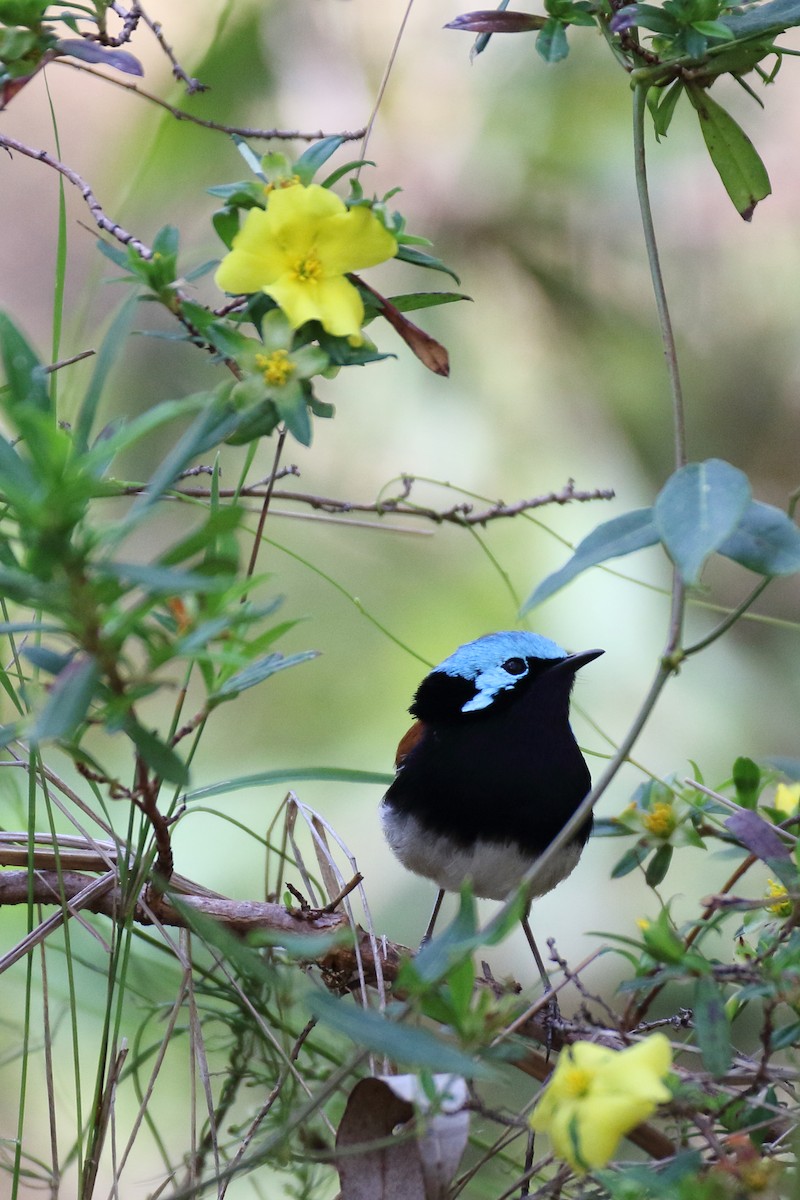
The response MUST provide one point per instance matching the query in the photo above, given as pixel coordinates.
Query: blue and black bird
(490, 771)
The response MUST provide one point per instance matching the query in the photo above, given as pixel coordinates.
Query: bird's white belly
(493, 868)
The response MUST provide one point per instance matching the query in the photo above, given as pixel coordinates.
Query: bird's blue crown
(482, 662)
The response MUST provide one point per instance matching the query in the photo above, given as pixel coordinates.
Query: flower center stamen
(275, 367)
(307, 270)
(577, 1081)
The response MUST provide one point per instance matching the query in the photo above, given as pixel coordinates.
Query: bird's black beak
(574, 662)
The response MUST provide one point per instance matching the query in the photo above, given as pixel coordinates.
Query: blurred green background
(522, 175)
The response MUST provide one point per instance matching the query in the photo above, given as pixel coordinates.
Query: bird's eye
(515, 666)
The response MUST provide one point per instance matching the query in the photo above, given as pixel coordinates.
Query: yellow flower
(299, 250)
(659, 819)
(597, 1095)
(787, 798)
(781, 905)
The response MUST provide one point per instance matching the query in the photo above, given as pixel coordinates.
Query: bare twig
(244, 131)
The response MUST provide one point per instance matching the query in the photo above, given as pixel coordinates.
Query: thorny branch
(463, 514)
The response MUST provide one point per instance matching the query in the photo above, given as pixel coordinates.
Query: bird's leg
(526, 926)
(552, 1007)
(429, 931)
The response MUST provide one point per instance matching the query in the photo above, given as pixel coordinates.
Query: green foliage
(703, 509)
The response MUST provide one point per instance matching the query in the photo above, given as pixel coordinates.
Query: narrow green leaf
(210, 428)
(249, 156)
(159, 581)
(736, 159)
(419, 258)
(344, 169)
(313, 158)
(290, 775)
(630, 860)
(68, 700)
(697, 509)
(711, 1026)
(25, 375)
(106, 357)
(160, 757)
(123, 437)
(259, 670)
(413, 300)
(658, 866)
(766, 540)
(613, 539)
(402, 1043)
(663, 108)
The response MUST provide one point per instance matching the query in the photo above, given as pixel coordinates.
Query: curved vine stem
(672, 653)
(664, 320)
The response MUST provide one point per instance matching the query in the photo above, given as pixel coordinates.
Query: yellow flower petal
(597, 1095)
(787, 798)
(334, 302)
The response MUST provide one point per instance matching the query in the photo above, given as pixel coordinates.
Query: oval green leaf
(697, 509)
(613, 539)
(766, 540)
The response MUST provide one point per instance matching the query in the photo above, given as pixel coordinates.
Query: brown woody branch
(464, 514)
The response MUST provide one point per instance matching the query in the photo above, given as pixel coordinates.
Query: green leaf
(291, 404)
(252, 159)
(658, 866)
(402, 1043)
(159, 581)
(551, 41)
(68, 700)
(711, 1026)
(109, 350)
(736, 159)
(747, 781)
(419, 258)
(662, 106)
(696, 510)
(774, 16)
(259, 670)
(160, 757)
(413, 300)
(713, 29)
(630, 860)
(211, 427)
(613, 539)
(290, 775)
(312, 159)
(25, 376)
(766, 540)
(340, 172)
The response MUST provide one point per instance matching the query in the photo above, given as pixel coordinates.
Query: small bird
(490, 771)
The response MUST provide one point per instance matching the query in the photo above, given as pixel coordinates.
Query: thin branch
(244, 131)
(101, 220)
(463, 514)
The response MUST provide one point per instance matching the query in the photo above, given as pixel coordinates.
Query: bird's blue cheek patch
(487, 685)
